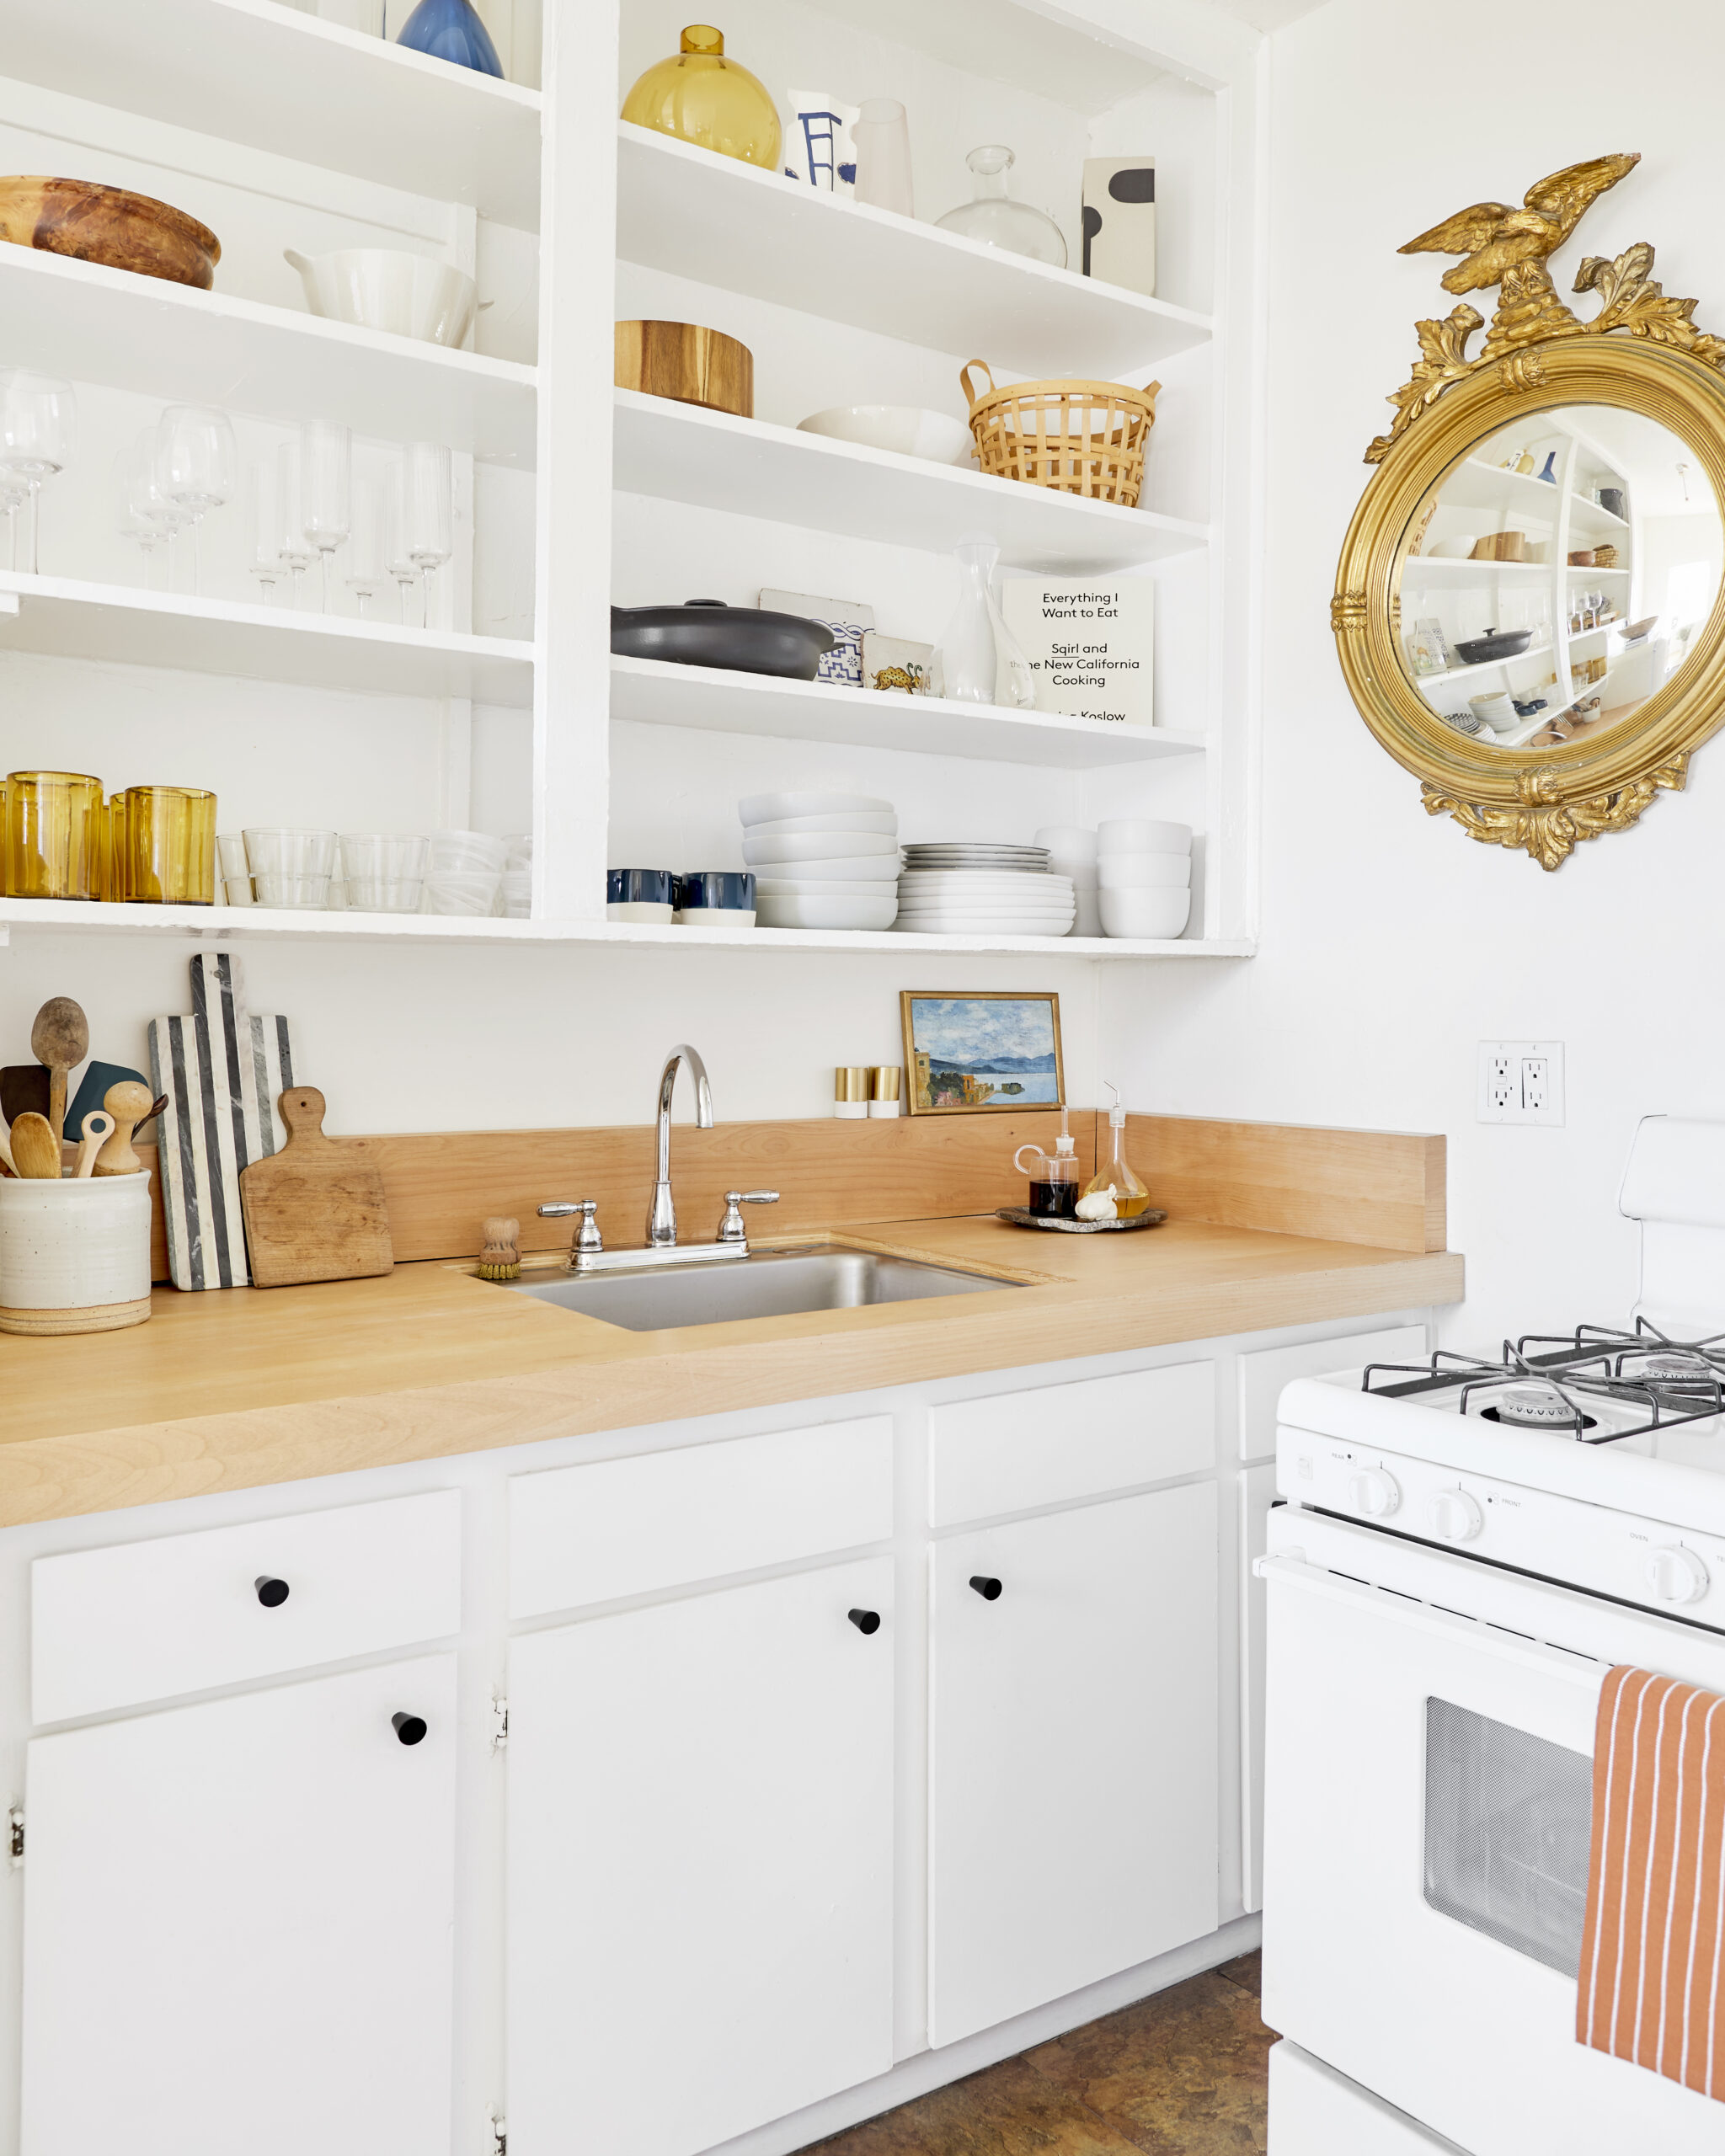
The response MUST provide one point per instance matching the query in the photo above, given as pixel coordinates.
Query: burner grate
(1670, 1381)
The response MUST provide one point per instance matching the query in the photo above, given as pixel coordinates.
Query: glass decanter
(991, 215)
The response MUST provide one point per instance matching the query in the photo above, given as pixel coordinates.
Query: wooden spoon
(7, 1162)
(36, 1150)
(61, 1039)
(97, 1127)
(129, 1103)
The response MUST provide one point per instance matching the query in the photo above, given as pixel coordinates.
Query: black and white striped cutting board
(223, 1070)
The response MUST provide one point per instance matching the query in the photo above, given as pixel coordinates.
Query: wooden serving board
(315, 1210)
(1020, 1218)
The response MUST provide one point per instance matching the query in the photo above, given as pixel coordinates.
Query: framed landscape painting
(970, 1054)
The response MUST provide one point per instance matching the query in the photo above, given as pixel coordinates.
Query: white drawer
(148, 1620)
(619, 1527)
(1263, 1376)
(1016, 1450)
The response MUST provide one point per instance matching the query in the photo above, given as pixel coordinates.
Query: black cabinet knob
(272, 1593)
(866, 1620)
(409, 1728)
(989, 1589)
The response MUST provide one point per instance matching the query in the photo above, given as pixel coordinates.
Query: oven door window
(1508, 1829)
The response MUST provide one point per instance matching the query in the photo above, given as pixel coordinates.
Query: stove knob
(1676, 1575)
(1374, 1492)
(1454, 1517)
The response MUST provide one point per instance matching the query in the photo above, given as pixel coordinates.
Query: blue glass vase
(449, 29)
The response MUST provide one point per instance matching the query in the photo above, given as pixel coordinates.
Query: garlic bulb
(1098, 1206)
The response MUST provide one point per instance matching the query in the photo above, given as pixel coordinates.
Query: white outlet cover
(1505, 1085)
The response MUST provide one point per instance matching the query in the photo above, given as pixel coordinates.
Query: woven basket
(1079, 437)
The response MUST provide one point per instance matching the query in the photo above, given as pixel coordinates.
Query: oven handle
(1576, 1669)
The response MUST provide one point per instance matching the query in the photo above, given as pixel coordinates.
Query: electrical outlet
(1520, 1081)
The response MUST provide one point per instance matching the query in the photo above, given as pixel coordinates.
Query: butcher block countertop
(236, 1389)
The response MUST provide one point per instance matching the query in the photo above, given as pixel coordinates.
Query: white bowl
(1144, 913)
(1143, 872)
(713, 920)
(1139, 837)
(817, 846)
(1081, 875)
(814, 887)
(825, 913)
(1068, 841)
(777, 807)
(1452, 550)
(853, 819)
(842, 868)
(387, 288)
(908, 430)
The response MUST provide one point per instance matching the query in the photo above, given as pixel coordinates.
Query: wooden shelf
(114, 622)
(226, 923)
(252, 71)
(721, 221)
(649, 692)
(172, 341)
(684, 453)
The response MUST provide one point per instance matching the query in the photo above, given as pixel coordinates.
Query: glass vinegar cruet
(1117, 1181)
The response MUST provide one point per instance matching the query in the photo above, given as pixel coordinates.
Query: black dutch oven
(707, 633)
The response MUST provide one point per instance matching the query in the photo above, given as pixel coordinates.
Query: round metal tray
(1020, 1218)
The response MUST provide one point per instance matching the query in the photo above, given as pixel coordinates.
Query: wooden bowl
(107, 225)
(687, 364)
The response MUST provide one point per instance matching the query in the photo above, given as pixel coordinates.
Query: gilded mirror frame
(1642, 353)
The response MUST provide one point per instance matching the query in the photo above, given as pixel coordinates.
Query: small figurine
(501, 1257)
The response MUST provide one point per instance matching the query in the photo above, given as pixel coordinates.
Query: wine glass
(431, 512)
(198, 455)
(398, 527)
(292, 547)
(14, 492)
(136, 521)
(265, 491)
(146, 503)
(38, 423)
(326, 478)
(366, 573)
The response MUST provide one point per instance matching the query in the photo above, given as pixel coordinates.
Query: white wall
(1392, 943)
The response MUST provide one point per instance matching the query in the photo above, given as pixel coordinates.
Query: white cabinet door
(239, 1925)
(700, 1867)
(1073, 1809)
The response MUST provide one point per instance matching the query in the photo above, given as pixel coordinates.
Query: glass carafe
(977, 640)
(991, 215)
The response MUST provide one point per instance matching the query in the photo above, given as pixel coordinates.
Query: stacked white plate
(975, 889)
(821, 859)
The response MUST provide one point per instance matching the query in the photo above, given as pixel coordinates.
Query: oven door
(1429, 1764)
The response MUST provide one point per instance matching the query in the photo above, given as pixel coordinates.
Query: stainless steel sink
(768, 1284)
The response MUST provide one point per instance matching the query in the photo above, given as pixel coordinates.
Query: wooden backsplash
(1381, 1188)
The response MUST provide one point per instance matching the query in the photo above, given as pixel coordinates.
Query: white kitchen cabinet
(1258, 1496)
(700, 1860)
(1073, 1802)
(239, 1925)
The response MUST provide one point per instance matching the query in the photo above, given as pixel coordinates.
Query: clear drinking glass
(53, 834)
(294, 548)
(38, 428)
(198, 458)
(366, 575)
(993, 217)
(165, 848)
(882, 137)
(326, 479)
(430, 505)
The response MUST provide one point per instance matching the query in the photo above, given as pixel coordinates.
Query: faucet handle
(730, 1228)
(587, 1237)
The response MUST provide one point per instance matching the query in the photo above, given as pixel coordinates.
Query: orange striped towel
(1653, 1954)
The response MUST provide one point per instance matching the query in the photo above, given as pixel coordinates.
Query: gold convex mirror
(1528, 611)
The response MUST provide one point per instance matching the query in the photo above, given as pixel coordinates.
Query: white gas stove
(1466, 1548)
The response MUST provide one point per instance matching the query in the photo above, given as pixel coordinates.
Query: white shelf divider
(685, 453)
(253, 71)
(650, 692)
(715, 219)
(127, 627)
(172, 341)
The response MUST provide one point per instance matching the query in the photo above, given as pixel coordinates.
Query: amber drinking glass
(166, 845)
(53, 823)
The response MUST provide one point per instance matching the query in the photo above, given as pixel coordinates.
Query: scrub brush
(501, 1257)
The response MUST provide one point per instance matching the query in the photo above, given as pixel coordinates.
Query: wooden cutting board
(315, 1210)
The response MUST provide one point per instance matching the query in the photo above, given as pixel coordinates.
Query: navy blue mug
(725, 889)
(639, 887)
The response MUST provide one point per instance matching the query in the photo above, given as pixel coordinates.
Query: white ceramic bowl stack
(970, 887)
(821, 859)
(1071, 853)
(1145, 873)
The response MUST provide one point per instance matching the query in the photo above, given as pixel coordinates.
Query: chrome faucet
(662, 1214)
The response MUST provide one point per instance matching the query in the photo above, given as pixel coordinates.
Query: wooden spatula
(315, 1210)
(36, 1150)
(61, 1040)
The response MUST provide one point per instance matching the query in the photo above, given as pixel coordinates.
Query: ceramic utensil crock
(75, 1255)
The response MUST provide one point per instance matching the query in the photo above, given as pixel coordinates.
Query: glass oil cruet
(1053, 1178)
(1118, 1180)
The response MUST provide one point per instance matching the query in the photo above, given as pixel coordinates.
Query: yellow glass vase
(702, 96)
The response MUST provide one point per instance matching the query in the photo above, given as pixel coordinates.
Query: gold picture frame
(1641, 353)
(964, 1043)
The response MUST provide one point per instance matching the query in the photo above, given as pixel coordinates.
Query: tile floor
(1183, 2074)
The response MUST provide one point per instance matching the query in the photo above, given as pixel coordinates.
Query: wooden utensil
(36, 1150)
(60, 1039)
(93, 1088)
(23, 1091)
(315, 1210)
(7, 1162)
(127, 1105)
(686, 363)
(97, 1127)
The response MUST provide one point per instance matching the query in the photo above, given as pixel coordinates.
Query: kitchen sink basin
(769, 1284)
